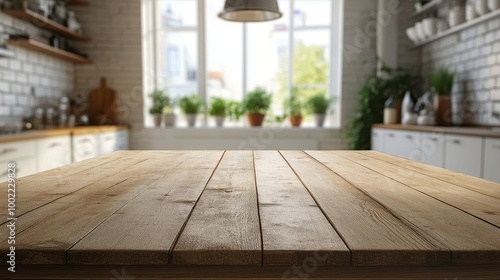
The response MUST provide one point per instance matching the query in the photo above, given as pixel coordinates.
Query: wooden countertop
(46, 133)
(470, 131)
(262, 211)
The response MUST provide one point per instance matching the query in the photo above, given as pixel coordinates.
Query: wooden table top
(257, 208)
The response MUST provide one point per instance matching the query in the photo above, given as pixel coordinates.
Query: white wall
(114, 26)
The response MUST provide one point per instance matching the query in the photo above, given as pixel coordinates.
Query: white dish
(412, 34)
(430, 26)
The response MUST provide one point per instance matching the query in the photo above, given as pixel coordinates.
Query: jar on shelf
(390, 111)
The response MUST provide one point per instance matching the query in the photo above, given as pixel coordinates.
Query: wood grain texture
(373, 234)
(466, 181)
(150, 222)
(456, 196)
(293, 227)
(470, 240)
(224, 226)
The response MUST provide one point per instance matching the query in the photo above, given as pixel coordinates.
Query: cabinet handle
(434, 139)
(5, 173)
(54, 145)
(456, 141)
(496, 146)
(390, 135)
(409, 137)
(87, 154)
(8, 151)
(84, 141)
(108, 138)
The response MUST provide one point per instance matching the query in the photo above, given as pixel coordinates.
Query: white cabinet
(122, 142)
(85, 146)
(107, 142)
(53, 152)
(491, 161)
(432, 149)
(405, 144)
(378, 143)
(23, 154)
(464, 154)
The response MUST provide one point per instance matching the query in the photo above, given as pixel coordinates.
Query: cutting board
(102, 102)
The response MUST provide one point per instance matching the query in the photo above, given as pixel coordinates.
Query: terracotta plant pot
(256, 119)
(296, 121)
(157, 120)
(443, 110)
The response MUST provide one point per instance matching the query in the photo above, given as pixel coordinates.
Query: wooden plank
(373, 234)
(144, 230)
(459, 197)
(293, 227)
(45, 235)
(307, 271)
(56, 183)
(471, 240)
(472, 183)
(224, 226)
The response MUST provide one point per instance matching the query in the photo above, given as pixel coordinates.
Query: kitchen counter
(471, 131)
(272, 214)
(46, 133)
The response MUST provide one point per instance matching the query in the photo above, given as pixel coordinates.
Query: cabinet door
(405, 144)
(491, 164)
(85, 147)
(107, 143)
(378, 140)
(122, 140)
(432, 149)
(24, 167)
(53, 152)
(464, 154)
(17, 150)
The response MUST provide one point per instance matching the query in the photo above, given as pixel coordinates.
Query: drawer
(53, 152)
(491, 159)
(17, 150)
(122, 140)
(464, 154)
(85, 147)
(107, 142)
(24, 167)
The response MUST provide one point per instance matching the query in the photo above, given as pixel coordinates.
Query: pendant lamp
(250, 10)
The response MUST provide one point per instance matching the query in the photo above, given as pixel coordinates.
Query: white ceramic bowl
(482, 7)
(419, 28)
(430, 26)
(470, 12)
(456, 16)
(412, 34)
(493, 5)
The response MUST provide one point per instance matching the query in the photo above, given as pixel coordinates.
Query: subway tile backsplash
(474, 54)
(30, 78)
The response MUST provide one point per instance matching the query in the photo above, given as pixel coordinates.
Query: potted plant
(160, 100)
(169, 117)
(255, 104)
(235, 110)
(219, 109)
(319, 105)
(191, 106)
(294, 107)
(442, 83)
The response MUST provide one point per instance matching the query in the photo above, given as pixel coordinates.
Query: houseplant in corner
(294, 107)
(256, 104)
(319, 105)
(218, 110)
(191, 106)
(160, 100)
(442, 83)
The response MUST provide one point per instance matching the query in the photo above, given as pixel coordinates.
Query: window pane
(179, 12)
(312, 12)
(268, 53)
(224, 54)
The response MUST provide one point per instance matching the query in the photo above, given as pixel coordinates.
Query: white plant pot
(219, 121)
(169, 120)
(419, 27)
(191, 119)
(493, 5)
(430, 26)
(320, 119)
(481, 7)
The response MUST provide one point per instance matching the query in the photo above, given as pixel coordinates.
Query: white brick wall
(474, 54)
(50, 77)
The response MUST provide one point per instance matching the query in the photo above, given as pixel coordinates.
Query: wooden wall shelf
(44, 48)
(78, 2)
(45, 23)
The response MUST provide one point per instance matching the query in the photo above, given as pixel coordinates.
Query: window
(195, 52)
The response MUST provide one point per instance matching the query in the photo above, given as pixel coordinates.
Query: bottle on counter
(390, 112)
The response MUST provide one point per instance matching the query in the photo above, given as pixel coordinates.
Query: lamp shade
(250, 10)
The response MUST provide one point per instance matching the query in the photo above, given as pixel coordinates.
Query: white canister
(481, 7)
(470, 10)
(493, 5)
(456, 16)
(430, 26)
